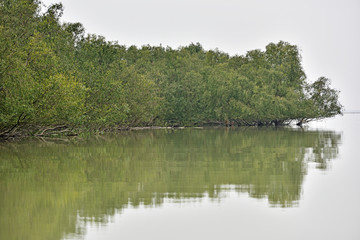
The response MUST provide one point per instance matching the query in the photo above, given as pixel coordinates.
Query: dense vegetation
(52, 73)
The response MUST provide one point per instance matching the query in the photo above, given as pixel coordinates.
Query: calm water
(244, 183)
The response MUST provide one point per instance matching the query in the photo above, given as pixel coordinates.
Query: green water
(60, 188)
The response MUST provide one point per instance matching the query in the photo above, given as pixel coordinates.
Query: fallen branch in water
(65, 129)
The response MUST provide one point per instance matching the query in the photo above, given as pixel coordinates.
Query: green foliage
(35, 88)
(324, 99)
(52, 73)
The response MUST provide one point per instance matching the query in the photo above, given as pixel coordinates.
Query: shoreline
(64, 131)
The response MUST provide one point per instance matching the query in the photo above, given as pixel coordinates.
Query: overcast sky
(326, 31)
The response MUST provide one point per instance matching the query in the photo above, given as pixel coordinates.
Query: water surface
(251, 183)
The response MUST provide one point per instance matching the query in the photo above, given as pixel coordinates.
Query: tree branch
(3, 134)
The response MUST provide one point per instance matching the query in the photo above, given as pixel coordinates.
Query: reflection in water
(48, 190)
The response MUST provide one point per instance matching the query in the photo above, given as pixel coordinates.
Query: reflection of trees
(46, 187)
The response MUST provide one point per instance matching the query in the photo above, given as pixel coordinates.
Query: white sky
(326, 31)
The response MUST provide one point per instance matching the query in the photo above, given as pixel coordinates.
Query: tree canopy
(54, 73)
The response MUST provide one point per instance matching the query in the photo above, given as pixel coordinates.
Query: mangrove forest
(55, 76)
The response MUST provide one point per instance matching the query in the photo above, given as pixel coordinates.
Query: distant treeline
(53, 73)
